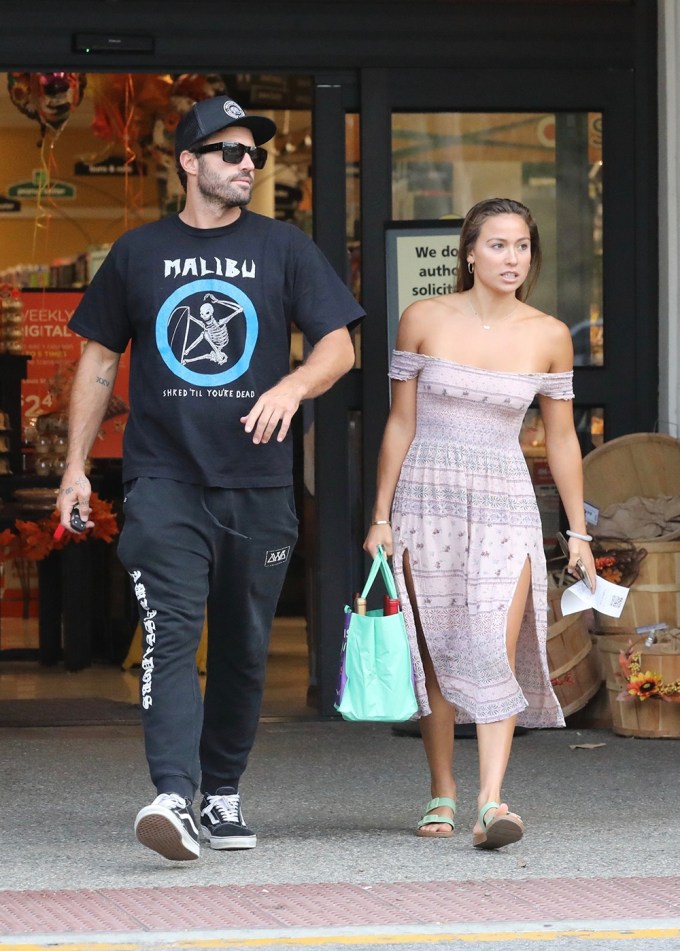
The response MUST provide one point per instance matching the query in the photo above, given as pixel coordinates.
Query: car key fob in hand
(77, 524)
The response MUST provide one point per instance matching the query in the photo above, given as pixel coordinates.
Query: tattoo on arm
(100, 379)
(69, 490)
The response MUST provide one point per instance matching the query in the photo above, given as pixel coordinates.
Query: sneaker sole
(162, 835)
(231, 842)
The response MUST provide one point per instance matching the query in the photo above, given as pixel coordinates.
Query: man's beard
(217, 191)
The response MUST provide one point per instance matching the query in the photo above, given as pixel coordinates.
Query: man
(207, 298)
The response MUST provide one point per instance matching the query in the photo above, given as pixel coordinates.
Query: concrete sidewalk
(335, 806)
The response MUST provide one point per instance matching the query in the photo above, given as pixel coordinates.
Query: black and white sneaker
(222, 822)
(168, 827)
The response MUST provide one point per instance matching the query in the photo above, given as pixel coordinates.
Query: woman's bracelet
(584, 538)
(381, 521)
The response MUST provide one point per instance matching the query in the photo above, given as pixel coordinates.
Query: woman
(456, 508)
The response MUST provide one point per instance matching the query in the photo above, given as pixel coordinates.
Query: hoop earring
(471, 267)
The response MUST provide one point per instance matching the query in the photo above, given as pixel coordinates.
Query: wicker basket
(647, 465)
(645, 718)
(654, 596)
(573, 664)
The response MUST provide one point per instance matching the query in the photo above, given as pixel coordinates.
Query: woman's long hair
(469, 234)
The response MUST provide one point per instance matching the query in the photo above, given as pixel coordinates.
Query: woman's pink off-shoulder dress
(465, 511)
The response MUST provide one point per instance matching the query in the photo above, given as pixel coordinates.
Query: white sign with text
(421, 262)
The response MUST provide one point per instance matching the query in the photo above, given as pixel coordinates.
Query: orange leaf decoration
(8, 545)
(34, 541)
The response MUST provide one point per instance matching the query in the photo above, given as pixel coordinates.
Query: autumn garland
(644, 684)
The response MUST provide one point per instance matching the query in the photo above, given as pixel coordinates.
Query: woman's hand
(579, 549)
(378, 535)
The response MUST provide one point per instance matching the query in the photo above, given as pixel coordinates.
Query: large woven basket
(654, 596)
(573, 664)
(645, 464)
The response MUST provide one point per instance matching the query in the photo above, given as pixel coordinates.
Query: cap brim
(263, 129)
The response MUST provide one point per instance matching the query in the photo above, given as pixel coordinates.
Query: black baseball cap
(218, 112)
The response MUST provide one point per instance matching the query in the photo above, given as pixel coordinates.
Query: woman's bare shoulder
(420, 317)
(546, 323)
(555, 339)
(423, 309)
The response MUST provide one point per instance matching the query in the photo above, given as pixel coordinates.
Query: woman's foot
(496, 826)
(494, 810)
(439, 808)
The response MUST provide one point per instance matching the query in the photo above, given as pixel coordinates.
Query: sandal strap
(432, 817)
(441, 801)
(483, 811)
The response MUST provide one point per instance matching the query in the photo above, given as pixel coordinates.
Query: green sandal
(498, 832)
(430, 818)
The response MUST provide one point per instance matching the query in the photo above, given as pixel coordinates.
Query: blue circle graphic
(163, 344)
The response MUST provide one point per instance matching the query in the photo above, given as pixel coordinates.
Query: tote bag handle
(380, 564)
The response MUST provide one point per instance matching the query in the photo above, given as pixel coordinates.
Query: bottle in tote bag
(390, 605)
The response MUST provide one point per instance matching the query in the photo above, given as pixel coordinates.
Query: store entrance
(387, 146)
(88, 156)
(435, 141)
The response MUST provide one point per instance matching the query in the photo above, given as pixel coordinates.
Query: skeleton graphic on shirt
(206, 327)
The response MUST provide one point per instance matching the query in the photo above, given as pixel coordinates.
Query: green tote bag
(375, 680)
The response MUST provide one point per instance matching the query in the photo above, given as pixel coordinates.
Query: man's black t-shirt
(209, 314)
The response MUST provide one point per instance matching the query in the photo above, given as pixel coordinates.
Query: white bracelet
(381, 521)
(584, 538)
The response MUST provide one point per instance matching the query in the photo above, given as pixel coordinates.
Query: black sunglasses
(233, 152)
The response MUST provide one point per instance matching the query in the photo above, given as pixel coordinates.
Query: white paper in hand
(607, 598)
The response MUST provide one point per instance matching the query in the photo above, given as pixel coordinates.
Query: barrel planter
(654, 596)
(652, 717)
(573, 664)
(645, 465)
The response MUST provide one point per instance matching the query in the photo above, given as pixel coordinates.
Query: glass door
(87, 157)
(565, 146)
(444, 162)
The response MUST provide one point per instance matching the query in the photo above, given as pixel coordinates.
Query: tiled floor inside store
(285, 690)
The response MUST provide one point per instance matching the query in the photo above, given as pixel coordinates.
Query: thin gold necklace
(500, 319)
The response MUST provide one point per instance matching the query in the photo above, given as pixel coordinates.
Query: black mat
(85, 711)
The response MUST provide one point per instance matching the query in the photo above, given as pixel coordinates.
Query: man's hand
(274, 408)
(330, 358)
(75, 490)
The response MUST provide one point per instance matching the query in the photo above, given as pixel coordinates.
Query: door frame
(333, 548)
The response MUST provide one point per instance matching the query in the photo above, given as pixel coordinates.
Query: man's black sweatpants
(187, 547)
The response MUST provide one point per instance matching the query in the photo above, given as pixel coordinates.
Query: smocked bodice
(467, 405)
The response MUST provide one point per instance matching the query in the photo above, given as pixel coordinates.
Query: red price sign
(55, 351)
